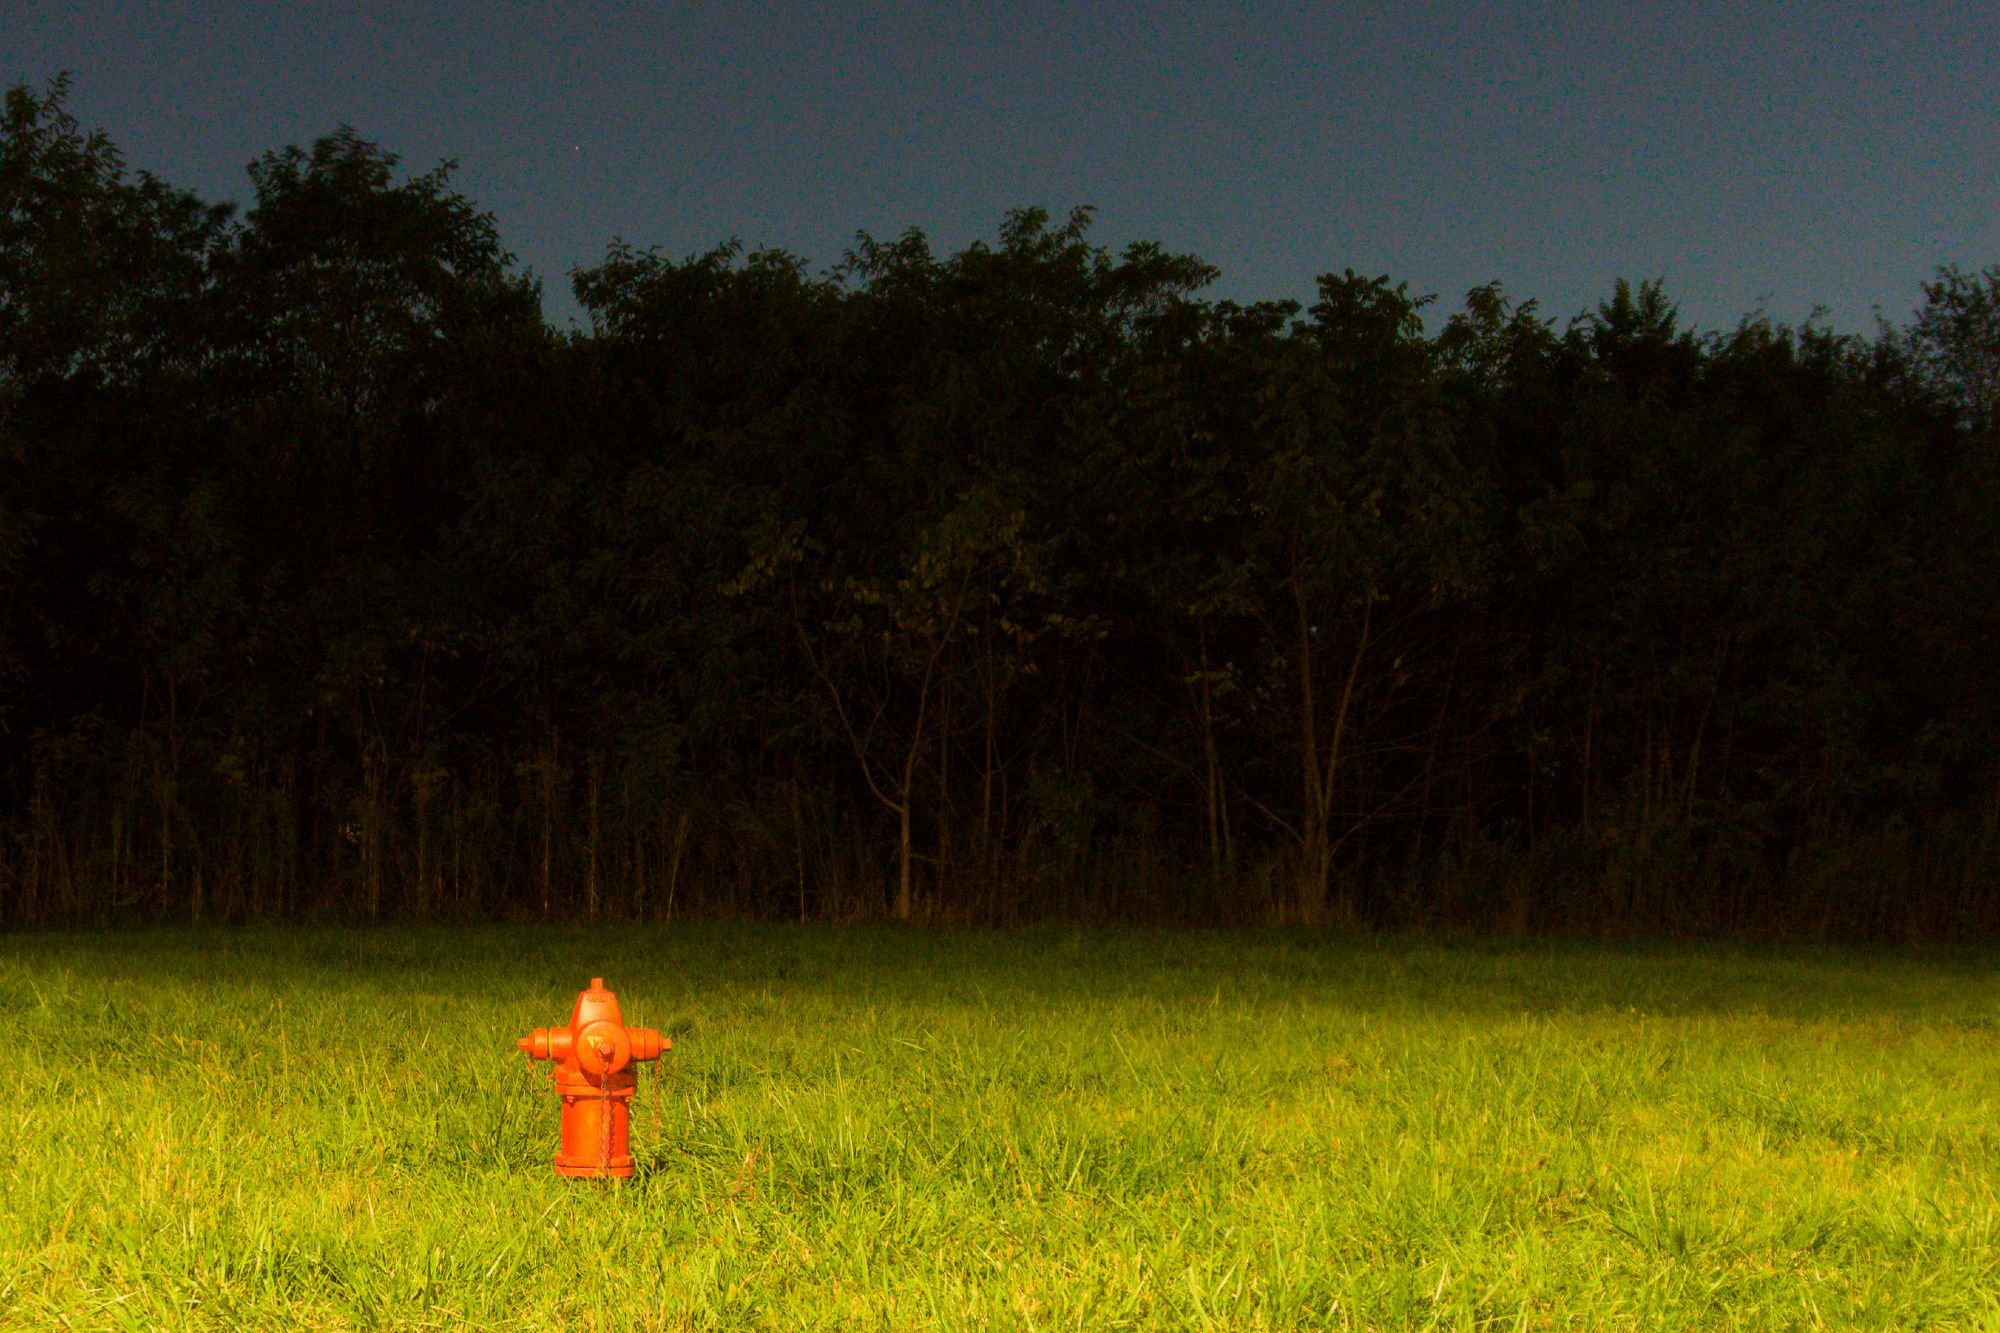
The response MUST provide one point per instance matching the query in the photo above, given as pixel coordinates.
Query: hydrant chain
(594, 1075)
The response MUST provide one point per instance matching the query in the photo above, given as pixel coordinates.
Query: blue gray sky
(1772, 156)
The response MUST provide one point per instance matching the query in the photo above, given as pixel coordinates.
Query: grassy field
(1042, 1129)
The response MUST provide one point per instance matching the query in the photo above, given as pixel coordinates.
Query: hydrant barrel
(594, 1076)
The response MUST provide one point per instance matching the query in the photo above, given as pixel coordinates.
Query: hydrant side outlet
(593, 1075)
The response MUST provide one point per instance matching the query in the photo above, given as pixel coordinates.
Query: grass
(1043, 1129)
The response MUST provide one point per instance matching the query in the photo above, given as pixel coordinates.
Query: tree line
(1019, 582)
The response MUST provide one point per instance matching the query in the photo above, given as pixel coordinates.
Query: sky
(1769, 157)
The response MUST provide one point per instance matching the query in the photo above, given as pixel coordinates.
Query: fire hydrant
(594, 1075)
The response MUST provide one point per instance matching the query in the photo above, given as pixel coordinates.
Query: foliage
(1019, 581)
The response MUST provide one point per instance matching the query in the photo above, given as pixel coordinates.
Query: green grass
(1043, 1129)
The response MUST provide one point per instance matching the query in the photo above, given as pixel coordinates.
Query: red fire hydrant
(594, 1075)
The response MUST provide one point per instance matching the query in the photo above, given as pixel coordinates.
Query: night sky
(1760, 155)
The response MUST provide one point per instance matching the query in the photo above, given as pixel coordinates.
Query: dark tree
(1021, 581)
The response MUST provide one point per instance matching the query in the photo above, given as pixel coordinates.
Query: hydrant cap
(603, 1048)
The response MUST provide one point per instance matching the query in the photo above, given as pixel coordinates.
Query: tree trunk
(905, 894)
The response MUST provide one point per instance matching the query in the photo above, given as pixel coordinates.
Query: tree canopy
(1025, 580)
